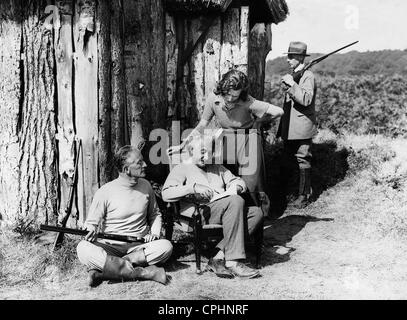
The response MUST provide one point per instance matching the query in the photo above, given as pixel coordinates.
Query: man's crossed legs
(124, 261)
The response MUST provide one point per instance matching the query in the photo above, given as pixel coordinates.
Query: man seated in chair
(125, 206)
(199, 181)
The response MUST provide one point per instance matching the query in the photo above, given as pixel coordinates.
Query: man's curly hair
(235, 80)
(120, 157)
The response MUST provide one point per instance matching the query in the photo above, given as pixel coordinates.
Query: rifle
(68, 208)
(297, 75)
(80, 232)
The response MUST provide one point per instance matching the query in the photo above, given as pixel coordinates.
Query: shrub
(362, 105)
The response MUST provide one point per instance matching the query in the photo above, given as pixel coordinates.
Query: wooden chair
(209, 233)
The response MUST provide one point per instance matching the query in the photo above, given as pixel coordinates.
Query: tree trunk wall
(29, 162)
(106, 73)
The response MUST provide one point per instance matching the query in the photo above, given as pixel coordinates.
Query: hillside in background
(362, 93)
(386, 62)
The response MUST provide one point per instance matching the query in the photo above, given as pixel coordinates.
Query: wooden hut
(107, 72)
(207, 38)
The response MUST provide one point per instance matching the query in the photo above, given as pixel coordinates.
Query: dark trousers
(300, 150)
(296, 155)
(236, 221)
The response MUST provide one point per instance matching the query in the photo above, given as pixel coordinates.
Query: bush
(361, 105)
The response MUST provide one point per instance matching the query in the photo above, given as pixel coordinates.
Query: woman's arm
(264, 113)
(261, 108)
(198, 129)
(274, 111)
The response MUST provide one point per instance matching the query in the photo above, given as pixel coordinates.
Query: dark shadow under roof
(269, 11)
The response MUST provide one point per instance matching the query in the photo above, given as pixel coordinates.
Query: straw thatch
(278, 9)
(195, 6)
(271, 11)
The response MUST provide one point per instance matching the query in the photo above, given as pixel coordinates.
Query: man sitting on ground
(125, 206)
(201, 182)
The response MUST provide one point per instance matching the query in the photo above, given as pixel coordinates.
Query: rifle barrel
(80, 232)
(316, 60)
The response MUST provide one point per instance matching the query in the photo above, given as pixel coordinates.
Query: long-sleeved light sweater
(214, 176)
(125, 208)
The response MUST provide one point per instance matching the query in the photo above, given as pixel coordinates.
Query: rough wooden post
(158, 69)
(66, 134)
(211, 52)
(136, 59)
(37, 164)
(105, 127)
(120, 131)
(86, 101)
(244, 40)
(230, 55)
(171, 54)
(260, 46)
(197, 70)
(11, 76)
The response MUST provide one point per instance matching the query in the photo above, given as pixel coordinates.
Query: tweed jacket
(299, 119)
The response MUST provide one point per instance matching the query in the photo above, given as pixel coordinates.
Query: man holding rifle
(298, 124)
(125, 206)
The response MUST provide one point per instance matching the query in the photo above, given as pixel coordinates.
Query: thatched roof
(272, 11)
(196, 6)
(278, 11)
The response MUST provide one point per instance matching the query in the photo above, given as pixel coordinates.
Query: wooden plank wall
(113, 90)
(224, 47)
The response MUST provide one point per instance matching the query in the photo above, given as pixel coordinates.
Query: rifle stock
(80, 232)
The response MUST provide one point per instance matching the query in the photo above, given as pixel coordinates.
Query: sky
(326, 25)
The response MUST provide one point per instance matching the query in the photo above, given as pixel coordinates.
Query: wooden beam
(260, 46)
(120, 123)
(230, 55)
(171, 54)
(137, 62)
(86, 101)
(66, 133)
(104, 79)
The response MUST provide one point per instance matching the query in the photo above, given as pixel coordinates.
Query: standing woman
(235, 109)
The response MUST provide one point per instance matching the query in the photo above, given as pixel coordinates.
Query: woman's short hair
(122, 155)
(235, 80)
(200, 140)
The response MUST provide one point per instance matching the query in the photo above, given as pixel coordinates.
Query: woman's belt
(240, 131)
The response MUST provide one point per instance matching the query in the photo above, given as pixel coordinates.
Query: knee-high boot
(137, 258)
(119, 269)
(304, 189)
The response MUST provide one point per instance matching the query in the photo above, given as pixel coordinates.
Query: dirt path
(306, 257)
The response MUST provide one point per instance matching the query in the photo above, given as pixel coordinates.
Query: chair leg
(259, 244)
(197, 223)
(169, 224)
